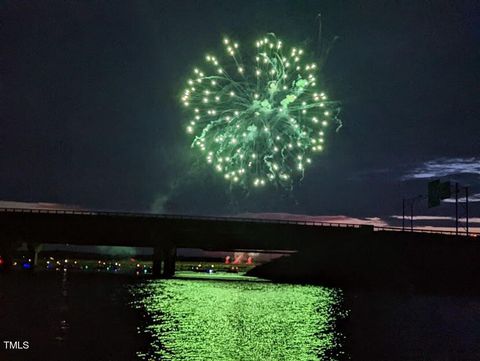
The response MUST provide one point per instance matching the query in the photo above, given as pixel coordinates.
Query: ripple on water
(198, 320)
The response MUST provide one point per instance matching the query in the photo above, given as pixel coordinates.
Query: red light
(238, 259)
(1, 261)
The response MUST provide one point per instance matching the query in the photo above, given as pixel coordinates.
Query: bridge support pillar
(157, 262)
(34, 249)
(169, 264)
(164, 261)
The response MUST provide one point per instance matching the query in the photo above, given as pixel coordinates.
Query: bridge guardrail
(232, 219)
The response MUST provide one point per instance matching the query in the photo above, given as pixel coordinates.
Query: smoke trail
(117, 250)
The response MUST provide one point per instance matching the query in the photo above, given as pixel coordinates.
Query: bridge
(165, 233)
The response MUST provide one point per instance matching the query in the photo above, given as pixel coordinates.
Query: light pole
(456, 208)
(412, 204)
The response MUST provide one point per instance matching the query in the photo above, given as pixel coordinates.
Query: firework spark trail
(259, 122)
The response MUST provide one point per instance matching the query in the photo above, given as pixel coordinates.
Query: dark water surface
(78, 316)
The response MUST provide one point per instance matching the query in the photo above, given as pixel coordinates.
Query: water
(189, 320)
(77, 316)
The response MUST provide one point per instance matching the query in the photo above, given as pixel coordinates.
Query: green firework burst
(258, 121)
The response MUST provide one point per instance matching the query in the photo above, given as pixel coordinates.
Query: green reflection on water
(214, 320)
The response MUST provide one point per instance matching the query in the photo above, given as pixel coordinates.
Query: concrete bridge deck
(166, 233)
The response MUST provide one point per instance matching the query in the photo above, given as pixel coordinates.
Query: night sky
(90, 113)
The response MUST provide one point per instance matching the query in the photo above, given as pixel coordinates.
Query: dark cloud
(445, 167)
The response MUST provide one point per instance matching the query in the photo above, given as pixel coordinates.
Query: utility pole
(466, 205)
(411, 215)
(411, 203)
(456, 208)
